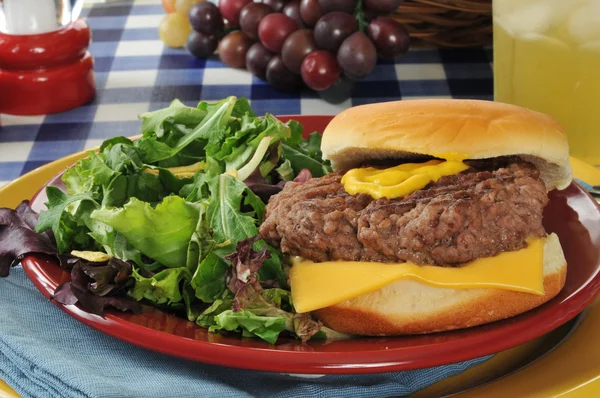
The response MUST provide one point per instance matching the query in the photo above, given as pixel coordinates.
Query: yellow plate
(571, 370)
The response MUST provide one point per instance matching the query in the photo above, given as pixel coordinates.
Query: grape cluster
(327, 44)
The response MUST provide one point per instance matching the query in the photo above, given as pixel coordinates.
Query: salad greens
(177, 212)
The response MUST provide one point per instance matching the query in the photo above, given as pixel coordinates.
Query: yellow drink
(547, 58)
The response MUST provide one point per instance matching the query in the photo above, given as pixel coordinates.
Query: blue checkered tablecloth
(136, 72)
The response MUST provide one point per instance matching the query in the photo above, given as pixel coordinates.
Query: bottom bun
(411, 307)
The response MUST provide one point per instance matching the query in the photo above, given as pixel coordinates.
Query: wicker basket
(447, 23)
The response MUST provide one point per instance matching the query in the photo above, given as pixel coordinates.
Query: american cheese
(319, 285)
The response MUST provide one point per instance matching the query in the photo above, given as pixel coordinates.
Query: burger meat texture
(492, 207)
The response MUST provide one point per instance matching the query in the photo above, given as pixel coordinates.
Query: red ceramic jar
(48, 72)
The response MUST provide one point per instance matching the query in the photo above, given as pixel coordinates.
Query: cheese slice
(320, 285)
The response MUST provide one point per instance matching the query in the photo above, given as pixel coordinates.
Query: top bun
(477, 129)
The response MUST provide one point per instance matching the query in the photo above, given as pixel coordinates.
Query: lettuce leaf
(225, 215)
(163, 287)
(265, 327)
(221, 304)
(209, 279)
(88, 175)
(176, 112)
(162, 233)
(67, 230)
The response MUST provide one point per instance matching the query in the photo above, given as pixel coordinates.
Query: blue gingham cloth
(136, 72)
(44, 352)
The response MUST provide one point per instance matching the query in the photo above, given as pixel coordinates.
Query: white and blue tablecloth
(136, 72)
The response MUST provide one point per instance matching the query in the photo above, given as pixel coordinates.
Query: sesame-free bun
(411, 307)
(438, 127)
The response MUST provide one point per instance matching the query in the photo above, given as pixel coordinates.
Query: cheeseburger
(432, 220)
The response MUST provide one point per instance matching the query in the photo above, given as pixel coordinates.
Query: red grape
(274, 29)
(382, 6)
(369, 14)
(280, 77)
(332, 29)
(233, 48)
(310, 11)
(357, 55)
(250, 17)
(320, 70)
(389, 36)
(346, 6)
(230, 10)
(206, 18)
(292, 10)
(202, 45)
(276, 5)
(296, 47)
(257, 59)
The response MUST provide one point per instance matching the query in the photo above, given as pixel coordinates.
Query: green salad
(171, 219)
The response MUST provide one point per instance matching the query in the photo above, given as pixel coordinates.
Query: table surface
(135, 72)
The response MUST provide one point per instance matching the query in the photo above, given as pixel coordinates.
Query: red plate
(571, 213)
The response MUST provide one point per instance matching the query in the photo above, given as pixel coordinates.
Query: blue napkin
(46, 353)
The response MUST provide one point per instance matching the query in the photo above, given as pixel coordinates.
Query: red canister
(48, 72)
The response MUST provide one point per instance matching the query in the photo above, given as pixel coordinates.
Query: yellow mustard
(398, 181)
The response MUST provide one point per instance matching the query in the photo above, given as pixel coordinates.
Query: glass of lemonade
(547, 58)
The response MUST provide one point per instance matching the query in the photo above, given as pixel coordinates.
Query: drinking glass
(547, 58)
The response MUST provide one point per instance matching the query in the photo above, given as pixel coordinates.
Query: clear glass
(24, 17)
(547, 58)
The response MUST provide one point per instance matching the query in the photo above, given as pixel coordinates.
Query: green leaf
(172, 183)
(193, 307)
(265, 327)
(209, 279)
(88, 175)
(197, 189)
(272, 268)
(295, 133)
(242, 107)
(143, 186)
(113, 243)
(207, 318)
(212, 126)
(300, 160)
(201, 241)
(107, 144)
(285, 171)
(312, 146)
(162, 233)
(177, 112)
(53, 217)
(279, 297)
(123, 158)
(162, 288)
(256, 203)
(224, 212)
(152, 149)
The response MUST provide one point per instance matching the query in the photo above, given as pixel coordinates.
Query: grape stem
(360, 16)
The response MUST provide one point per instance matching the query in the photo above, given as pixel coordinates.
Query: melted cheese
(398, 181)
(95, 257)
(320, 285)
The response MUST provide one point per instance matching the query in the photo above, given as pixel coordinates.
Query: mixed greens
(171, 219)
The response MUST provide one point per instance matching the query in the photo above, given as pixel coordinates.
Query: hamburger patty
(487, 209)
